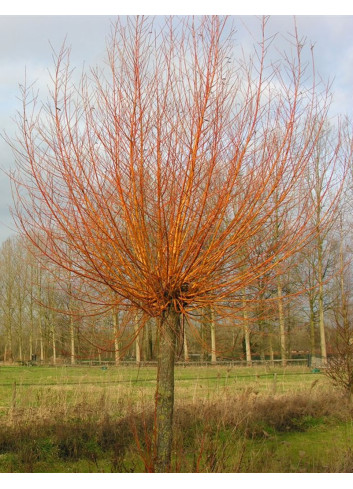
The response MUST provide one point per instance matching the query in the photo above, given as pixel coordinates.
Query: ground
(227, 419)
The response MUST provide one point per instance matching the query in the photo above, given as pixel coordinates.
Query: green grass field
(227, 419)
(190, 382)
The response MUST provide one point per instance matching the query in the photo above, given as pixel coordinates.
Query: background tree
(9, 286)
(317, 259)
(340, 363)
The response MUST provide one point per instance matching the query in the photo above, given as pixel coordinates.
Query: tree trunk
(137, 341)
(213, 336)
(262, 340)
(20, 333)
(282, 332)
(31, 324)
(149, 340)
(321, 311)
(53, 341)
(289, 334)
(312, 326)
(31, 318)
(72, 341)
(9, 354)
(72, 324)
(186, 350)
(116, 337)
(270, 347)
(40, 318)
(168, 329)
(41, 340)
(246, 333)
(205, 334)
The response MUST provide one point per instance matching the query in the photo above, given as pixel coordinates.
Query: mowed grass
(227, 419)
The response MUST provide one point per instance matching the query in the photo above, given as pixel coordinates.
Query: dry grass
(230, 425)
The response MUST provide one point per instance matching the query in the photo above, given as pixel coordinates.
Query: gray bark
(169, 326)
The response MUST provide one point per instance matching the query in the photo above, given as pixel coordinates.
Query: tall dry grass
(225, 431)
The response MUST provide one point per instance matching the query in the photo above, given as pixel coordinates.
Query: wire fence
(193, 363)
(137, 380)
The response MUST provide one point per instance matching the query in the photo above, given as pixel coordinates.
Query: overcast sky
(24, 42)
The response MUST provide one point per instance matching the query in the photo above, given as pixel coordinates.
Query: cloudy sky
(25, 43)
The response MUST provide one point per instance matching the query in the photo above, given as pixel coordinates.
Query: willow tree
(130, 176)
